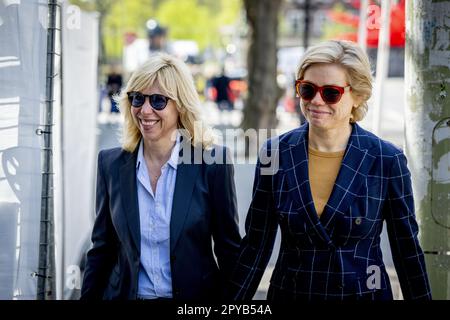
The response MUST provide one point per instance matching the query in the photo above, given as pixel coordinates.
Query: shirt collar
(173, 160)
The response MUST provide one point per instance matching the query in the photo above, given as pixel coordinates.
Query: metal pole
(382, 63)
(61, 155)
(427, 132)
(362, 28)
(46, 272)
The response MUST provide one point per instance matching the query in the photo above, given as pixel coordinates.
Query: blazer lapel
(184, 187)
(128, 192)
(355, 165)
(295, 167)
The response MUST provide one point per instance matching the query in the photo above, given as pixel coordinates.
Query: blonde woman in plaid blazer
(333, 254)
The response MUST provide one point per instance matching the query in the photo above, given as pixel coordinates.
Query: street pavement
(391, 128)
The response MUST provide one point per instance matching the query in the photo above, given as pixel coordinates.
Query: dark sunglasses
(330, 94)
(157, 101)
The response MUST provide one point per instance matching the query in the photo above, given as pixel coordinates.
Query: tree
(203, 21)
(126, 17)
(198, 20)
(188, 20)
(263, 91)
(427, 134)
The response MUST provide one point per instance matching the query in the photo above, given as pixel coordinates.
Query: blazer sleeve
(225, 219)
(256, 247)
(102, 255)
(402, 230)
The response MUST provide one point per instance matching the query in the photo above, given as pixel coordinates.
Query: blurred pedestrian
(335, 186)
(157, 36)
(113, 86)
(223, 96)
(160, 219)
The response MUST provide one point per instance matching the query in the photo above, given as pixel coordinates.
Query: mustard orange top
(323, 169)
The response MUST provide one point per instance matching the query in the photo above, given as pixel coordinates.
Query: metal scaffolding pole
(362, 27)
(382, 63)
(46, 273)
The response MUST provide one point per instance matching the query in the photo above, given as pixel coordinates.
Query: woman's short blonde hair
(355, 62)
(176, 82)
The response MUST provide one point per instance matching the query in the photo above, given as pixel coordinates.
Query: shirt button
(358, 221)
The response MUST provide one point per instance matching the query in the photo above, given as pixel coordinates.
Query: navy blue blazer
(204, 209)
(337, 256)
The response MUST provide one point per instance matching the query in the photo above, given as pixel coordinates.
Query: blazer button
(173, 258)
(358, 221)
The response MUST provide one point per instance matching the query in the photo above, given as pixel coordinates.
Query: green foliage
(332, 30)
(229, 11)
(101, 6)
(198, 20)
(124, 17)
(84, 5)
(188, 20)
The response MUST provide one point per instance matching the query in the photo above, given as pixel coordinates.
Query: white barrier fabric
(23, 47)
(79, 145)
(23, 41)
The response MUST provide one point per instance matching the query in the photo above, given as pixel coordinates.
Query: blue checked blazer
(337, 256)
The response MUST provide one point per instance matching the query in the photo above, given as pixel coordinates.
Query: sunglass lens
(137, 99)
(331, 95)
(158, 101)
(307, 91)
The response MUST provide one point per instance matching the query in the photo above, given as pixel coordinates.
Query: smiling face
(155, 125)
(319, 114)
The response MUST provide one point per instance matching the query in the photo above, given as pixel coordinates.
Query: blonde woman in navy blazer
(337, 255)
(166, 225)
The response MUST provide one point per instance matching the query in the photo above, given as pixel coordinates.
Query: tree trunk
(101, 40)
(263, 91)
(427, 132)
(102, 8)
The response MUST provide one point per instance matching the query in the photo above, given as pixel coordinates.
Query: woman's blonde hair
(175, 81)
(355, 62)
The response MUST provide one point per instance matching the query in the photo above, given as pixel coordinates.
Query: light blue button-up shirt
(155, 209)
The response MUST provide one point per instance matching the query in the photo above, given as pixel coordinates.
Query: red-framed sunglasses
(330, 94)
